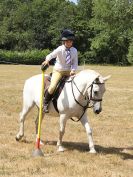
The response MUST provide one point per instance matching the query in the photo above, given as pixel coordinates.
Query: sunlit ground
(112, 131)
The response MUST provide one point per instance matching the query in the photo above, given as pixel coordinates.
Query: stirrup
(45, 108)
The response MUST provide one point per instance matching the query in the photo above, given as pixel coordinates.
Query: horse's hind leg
(88, 129)
(23, 114)
(63, 120)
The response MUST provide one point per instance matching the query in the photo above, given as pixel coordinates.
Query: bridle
(89, 99)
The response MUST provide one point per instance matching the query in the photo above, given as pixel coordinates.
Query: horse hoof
(61, 149)
(93, 151)
(41, 143)
(18, 137)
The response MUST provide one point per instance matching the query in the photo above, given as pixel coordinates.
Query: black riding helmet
(67, 35)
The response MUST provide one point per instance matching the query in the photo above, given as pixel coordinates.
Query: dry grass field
(112, 131)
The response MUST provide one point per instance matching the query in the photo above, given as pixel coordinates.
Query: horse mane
(88, 73)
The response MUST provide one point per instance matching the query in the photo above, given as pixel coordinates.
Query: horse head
(96, 92)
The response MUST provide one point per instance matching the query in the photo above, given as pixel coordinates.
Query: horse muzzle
(97, 108)
(97, 111)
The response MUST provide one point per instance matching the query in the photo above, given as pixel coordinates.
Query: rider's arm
(74, 64)
(53, 54)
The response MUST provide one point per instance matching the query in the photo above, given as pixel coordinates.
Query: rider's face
(68, 43)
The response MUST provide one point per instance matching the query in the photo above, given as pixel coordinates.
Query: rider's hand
(72, 73)
(45, 62)
(45, 65)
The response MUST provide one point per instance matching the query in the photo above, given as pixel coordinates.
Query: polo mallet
(38, 151)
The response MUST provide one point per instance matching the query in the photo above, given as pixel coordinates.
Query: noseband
(89, 99)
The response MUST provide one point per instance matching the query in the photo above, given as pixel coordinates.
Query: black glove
(44, 67)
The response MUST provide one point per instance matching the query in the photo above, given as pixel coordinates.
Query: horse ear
(106, 78)
(97, 79)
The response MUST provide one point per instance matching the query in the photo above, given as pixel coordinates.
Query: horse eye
(95, 92)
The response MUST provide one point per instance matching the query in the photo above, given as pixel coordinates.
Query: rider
(66, 63)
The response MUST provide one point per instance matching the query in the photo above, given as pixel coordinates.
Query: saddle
(58, 89)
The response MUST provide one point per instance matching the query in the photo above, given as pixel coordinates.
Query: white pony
(84, 90)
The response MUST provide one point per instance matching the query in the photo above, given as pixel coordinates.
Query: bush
(86, 57)
(130, 54)
(34, 57)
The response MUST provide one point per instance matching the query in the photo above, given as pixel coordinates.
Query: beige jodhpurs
(56, 76)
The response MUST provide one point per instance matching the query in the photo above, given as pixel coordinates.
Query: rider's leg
(56, 76)
(47, 99)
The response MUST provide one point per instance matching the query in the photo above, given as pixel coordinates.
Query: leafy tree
(82, 29)
(64, 17)
(130, 54)
(14, 30)
(111, 21)
(103, 28)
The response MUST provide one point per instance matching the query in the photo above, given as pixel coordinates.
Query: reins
(89, 99)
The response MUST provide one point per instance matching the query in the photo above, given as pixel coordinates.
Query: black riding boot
(47, 99)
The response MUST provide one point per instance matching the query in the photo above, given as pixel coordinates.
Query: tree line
(103, 28)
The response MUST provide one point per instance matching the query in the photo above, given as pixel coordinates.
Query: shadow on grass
(122, 151)
(83, 147)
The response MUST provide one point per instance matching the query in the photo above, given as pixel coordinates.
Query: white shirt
(60, 55)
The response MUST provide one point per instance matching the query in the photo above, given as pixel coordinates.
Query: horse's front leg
(88, 129)
(63, 120)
